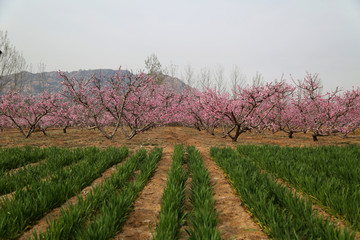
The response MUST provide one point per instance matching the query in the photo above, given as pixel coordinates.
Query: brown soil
(187, 208)
(147, 205)
(338, 223)
(10, 195)
(15, 170)
(42, 224)
(163, 136)
(235, 221)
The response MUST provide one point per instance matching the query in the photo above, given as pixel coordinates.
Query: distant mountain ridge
(34, 83)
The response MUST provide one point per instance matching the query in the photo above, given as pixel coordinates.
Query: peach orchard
(134, 103)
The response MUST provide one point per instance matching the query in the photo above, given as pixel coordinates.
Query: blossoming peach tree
(134, 103)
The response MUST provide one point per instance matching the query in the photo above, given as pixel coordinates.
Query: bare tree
(205, 78)
(188, 75)
(153, 65)
(237, 80)
(219, 79)
(172, 70)
(258, 79)
(43, 81)
(12, 65)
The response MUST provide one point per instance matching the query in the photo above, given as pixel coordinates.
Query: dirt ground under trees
(162, 137)
(234, 220)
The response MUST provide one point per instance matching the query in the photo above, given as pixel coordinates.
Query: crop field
(284, 213)
(172, 151)
(178, 183)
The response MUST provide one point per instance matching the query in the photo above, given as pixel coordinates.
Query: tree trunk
(27, 135)
(210, 130)
(44, 131)
(291, 134)
(315, 137)
(237, 134)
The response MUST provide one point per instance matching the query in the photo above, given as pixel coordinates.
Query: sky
(274, 38)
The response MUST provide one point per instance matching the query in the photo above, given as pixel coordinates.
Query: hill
(35, 83)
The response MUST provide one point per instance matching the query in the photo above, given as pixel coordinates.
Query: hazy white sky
(269, 36)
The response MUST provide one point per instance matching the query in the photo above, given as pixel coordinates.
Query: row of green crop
(16, 157)
(331, 175)
(114, 213)
(101, 214)
(203, 217)
(340, 162)
(56, 159)
(172, 213)
(74, 216)
(283, 214)
(28, 205)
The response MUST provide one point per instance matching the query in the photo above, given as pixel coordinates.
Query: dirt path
(10, 195)
(338, 223)
(234, 220)
(42, 224)
(147, 206)
(183, 234)
(15, 170)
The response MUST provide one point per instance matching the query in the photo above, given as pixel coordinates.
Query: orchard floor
(162, 137)
(235, 221)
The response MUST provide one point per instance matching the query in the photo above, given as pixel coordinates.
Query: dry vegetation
(162, 137)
